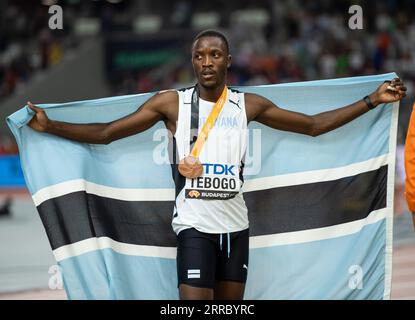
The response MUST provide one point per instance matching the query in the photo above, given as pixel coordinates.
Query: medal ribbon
(210, 121)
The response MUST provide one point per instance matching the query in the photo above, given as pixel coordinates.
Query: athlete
(210, 216)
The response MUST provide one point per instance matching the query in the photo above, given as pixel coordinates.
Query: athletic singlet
(213, 202)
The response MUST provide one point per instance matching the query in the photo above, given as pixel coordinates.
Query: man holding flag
(210, 216)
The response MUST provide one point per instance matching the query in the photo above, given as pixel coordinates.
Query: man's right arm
(154, 110)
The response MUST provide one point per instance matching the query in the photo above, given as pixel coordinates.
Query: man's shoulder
(167, 95)
(164, 100)
(253, 99)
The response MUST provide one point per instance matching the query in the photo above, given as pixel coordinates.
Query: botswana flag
(320, 208)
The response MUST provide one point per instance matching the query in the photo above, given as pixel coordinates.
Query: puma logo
(235, 103)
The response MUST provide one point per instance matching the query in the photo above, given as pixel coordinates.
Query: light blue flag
(320, 208)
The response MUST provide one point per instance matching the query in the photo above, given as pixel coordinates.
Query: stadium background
(117, 47)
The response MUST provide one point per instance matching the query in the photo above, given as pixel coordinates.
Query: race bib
(218, 182)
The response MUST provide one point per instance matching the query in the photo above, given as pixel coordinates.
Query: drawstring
(221, 242)
(229, 243)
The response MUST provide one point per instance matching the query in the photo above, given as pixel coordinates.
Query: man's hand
(40, 120)
(389, 91)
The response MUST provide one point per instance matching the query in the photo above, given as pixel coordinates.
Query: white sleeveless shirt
(213, 202)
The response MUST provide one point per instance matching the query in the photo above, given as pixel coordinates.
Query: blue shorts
(205, 258)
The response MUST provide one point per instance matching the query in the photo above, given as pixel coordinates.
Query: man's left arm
(264, 111)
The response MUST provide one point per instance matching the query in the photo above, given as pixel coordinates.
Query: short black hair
(212, 33)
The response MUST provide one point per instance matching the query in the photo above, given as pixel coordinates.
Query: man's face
(210, 61)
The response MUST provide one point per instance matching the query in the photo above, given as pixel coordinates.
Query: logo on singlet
(218, 182)
(194, 194)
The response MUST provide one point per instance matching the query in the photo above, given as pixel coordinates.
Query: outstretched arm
(264, 111)
(155, 109)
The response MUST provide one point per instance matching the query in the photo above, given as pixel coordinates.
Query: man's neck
(210, 94)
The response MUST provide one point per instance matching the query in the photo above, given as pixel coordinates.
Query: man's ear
(229, 61)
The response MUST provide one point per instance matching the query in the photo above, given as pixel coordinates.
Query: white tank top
(213, 202)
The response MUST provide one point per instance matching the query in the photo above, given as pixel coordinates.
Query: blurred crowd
(27, 44)
(287, 40)
(303, 41)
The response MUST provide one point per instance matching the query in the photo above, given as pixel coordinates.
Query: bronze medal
(190, 167)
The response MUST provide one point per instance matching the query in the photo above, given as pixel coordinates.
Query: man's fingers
(33, 107)
(392, 88)
(400, 88)
(395, 82)
(396, 85)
